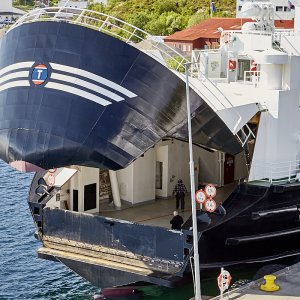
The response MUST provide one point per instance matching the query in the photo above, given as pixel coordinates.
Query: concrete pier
(288, 280)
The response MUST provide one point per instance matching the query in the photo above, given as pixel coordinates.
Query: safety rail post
(192, 179)
(131, 35)
(79, 17)
(104, 23)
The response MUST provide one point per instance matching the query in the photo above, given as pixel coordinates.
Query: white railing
(275, 172)
(109, 25)
(132, 35)
(228, 36)
(252, 77)
(126, 32)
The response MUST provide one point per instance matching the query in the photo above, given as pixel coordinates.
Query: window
(75, 200)
(279, 8)
(240, 8)
(287, 9)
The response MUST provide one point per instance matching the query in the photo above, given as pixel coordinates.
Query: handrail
(252, 77)
(275, 171)
(104, 23)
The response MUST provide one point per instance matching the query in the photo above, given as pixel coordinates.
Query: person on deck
(176, 221)
(179, 191)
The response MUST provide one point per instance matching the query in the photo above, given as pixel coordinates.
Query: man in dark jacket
(179, 191)
(176, 221)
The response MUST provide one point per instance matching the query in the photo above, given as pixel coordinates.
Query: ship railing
(165, 54)
(277, 35)
(227, 36)
(276, 172)
(252, 77)
(110, 25)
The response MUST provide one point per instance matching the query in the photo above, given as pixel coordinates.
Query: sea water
(24, 276)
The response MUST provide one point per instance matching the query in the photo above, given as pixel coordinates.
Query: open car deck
(160, 211)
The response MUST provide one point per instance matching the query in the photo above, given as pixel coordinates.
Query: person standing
(176, 221)
(179, 191)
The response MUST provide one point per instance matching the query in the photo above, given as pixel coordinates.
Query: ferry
(97, 109)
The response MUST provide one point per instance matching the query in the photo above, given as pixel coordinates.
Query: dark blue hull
(72, 95)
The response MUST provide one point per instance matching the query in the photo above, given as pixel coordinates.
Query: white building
(75, 4)
(8, 13)
(79, 3)
(283, 9)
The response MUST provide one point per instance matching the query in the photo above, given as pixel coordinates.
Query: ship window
(243, 65)
(75, 200)
(279, 8)
(90, 198)
(240, 8)
(286, 8)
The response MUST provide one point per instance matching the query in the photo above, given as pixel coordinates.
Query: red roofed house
(207, 35)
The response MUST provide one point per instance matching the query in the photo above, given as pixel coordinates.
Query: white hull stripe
(66, 82)
(77, 92)
(13, 84)
(22, 74)
(93, 77)
(14, 67)
(87, 85)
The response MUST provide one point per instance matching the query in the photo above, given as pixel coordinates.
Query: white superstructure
(260, 66)
(283, 9)
(79, 3)
(8, 13)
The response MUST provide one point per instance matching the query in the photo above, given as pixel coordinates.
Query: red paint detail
(25, 166)
(40, 67)
(117, 292)
(38, 82)
(231, 64)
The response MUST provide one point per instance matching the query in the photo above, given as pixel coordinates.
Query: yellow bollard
(270, 285)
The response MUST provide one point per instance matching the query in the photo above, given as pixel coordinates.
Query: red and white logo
(39, 74)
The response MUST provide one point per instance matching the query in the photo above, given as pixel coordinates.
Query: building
(79, 3)
(73, 3)
(284, 9)
(8, 13)
(42, 3)
(207, 33)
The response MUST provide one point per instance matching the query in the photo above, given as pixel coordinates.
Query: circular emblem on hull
(39, 74)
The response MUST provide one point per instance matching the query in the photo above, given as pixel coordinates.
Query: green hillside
(164, 17)
(158, 17)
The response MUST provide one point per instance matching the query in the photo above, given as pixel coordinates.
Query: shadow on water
(209, 287)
